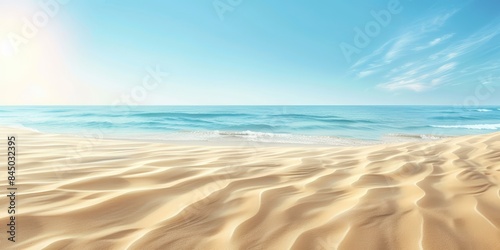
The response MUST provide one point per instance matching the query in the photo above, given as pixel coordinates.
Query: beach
(128, 194)
(250, 125)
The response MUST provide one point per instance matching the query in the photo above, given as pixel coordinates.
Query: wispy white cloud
(403, 44)
(472, 43)
(423, 59)
(375, 53)
(435, 42)
(446, 67)
(365, 73)
(412, 85)
(436, 22)
(451, 55)
(399, 46)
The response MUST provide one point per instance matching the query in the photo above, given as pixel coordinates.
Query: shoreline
(232, 141)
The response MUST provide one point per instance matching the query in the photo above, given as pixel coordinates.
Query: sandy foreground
(76, 193)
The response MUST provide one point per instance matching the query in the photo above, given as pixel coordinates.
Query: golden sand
(119, 194)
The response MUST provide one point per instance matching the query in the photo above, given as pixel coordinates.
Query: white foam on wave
(20, 126)
(484, 110)
(262, 137)
(474, 126)
(399, 137)
(257, 138)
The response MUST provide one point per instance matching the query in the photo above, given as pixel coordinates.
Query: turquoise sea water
(332, 125)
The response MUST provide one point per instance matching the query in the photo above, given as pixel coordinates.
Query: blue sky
(255, 52)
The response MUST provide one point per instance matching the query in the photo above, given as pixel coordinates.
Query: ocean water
(325, 125)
